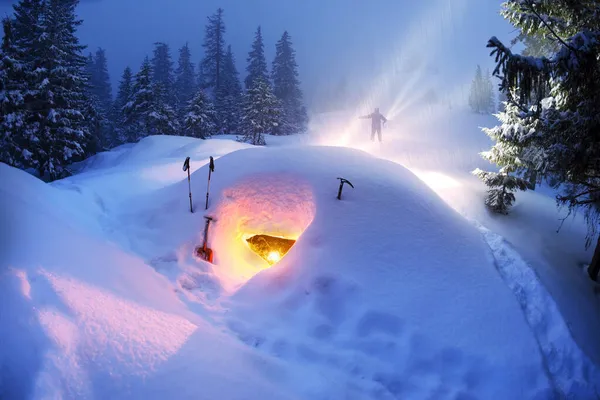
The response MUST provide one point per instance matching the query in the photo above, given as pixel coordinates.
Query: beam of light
(409, 75)
(436, 180)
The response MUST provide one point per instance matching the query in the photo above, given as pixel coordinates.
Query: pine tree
(147, 112)
(185, 81)
(98, 111)
(12, 90)
(63, 130)
(553, 110)
(93, 110)
(162, 117)
(476, 91)
(229, 98)
(261, 114)
(200, 118)
(100, 81)
(123, 131)
(488, 94)
(286, 87)
(22, 55)
(257, 64)
(506, 154)
(162, 68)
(140, 104)
(214, 52)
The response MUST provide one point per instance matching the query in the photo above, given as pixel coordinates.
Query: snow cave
(259, 219)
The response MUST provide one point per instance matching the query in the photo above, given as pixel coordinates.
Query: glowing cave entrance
(271, 248)
(259, 220)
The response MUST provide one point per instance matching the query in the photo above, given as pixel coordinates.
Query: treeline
(57, 106)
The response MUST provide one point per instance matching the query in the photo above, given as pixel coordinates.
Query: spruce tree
(162, 117)
(257, 64)
(147, 112)
(63, 130)
(553, 111)
(93, 110)
(475, 96)
(100, 81)
(261, 113)
(286, 87)
(200, 118)
(123, 131)
(214, 52)
(488, 94)
(185, 79)
(24, 51)
(229, 98)
(162, 73)
(138, 108)
(12, 91)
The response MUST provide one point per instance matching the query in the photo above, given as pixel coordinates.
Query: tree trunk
(594, 267)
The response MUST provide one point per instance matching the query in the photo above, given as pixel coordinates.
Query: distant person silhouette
(376, 119)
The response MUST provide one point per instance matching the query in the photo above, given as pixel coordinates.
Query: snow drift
(386, 294)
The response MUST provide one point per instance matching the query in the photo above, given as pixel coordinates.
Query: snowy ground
(390, 293)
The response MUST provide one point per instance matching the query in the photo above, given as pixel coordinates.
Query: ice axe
(186, 167)
(204, 252)
(211, 169)
(342, 181)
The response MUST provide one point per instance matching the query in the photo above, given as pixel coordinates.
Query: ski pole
(211, 169)
(186, 167)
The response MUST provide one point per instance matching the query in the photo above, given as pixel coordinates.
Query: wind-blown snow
(388, 293)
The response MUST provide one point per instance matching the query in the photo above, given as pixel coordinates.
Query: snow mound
(387, 293)
(388, 285)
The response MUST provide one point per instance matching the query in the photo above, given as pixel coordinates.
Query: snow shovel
(211, 169)
(186, 167)
(204, 252)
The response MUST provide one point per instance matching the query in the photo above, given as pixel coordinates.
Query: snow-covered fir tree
(162, 73)
(21, 58)
(12, 91)
(506, 154)
(229, 98)
(261, 113)
(62, 130)
(257, 63)
(147, 112)
(214, 52)
(98, 112)
(481, 97)
(201, 117)
(140, 105)
(93, 110)
(185, 79)
(100, 81)
(122, 127)
(554, 103)
(163, 117)
(286, 87)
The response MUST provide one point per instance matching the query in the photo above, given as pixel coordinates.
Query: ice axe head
(342, 181)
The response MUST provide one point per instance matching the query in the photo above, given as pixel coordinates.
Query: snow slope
(388, 293)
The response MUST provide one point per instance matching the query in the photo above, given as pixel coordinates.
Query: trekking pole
(186, 167)
(342, 181)
(211, 169)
